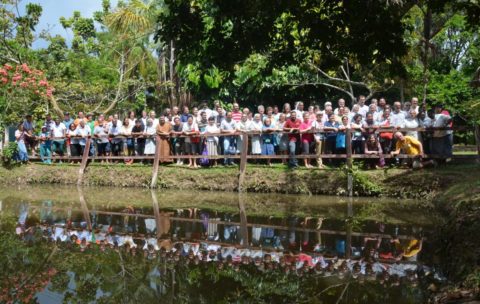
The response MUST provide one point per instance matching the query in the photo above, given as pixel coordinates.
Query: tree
(216, 43)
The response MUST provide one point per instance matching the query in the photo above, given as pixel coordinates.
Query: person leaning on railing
(59, 131)
(292, 126)
(409, 146)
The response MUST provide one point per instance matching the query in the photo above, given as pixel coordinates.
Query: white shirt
(212, 129)
(299, 115)
(441, 121)
(102, 133)
(363, 110)
(397, 119)
(189, 128)
(58, 131)
(85, 131)
(412, 123)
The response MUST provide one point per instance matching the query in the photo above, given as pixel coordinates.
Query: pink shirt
(307, 137)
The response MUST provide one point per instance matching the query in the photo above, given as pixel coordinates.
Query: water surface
(68, 244)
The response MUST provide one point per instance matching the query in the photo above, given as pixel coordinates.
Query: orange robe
(164, 142)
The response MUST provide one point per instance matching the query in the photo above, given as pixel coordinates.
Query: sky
(54, 9)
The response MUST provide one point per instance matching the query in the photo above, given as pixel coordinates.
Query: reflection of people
(408, 250)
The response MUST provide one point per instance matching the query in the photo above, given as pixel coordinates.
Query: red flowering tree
(22, 90)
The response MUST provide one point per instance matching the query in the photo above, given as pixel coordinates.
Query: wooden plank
(84, 163)
(156, 163)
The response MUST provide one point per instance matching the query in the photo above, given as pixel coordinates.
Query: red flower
(26, 69)
(4, 80)
(7, 66)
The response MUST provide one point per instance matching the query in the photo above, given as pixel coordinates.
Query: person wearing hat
(45, 146)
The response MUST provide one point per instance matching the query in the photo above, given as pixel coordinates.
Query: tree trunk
(427, 24)
(173, 89)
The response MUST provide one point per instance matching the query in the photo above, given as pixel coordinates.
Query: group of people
(211, 132)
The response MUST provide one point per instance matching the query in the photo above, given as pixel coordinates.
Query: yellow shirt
(409, 146)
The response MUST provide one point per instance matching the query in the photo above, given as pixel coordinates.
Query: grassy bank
(453, 182)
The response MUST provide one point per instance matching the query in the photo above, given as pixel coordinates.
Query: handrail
(378, 129)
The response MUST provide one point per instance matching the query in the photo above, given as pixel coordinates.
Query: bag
(204, 161)
(386, 135)
(340, 141)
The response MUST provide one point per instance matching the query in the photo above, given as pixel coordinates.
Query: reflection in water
(189, 254)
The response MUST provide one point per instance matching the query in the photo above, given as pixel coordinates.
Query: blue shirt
(331, 134)
(67, 123)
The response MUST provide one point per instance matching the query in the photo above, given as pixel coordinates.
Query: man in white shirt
(381, 105)
(154, 119)
(341, 104)
(116, 143)
(58, 132)
(84, 131)
(299, 110)
(397, 117)
(414, 104)
(327, 112)
(363, 107)
(144, 118)
(204, 108)
(441, 143)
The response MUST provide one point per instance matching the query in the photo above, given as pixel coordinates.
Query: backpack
(204, 161)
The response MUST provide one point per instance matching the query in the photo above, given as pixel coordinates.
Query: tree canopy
(160, 53)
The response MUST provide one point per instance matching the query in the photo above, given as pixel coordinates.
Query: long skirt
(212, 148)
(256, 146)
(150, 146)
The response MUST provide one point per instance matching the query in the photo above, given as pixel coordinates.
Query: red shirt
(293, 124)
(236, 116)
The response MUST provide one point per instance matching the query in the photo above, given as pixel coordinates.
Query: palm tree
(133, 25)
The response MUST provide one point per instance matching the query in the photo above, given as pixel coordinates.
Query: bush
(8, 155)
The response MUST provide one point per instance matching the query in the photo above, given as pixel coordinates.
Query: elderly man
(341, 104)
(397, 117)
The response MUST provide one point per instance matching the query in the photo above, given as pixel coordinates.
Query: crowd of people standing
(209, 132)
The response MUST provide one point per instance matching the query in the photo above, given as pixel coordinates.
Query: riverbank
(452, 183)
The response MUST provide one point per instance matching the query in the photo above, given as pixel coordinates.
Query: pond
(104, 245)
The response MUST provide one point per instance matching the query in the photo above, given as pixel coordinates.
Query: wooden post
(83, 203)
(348, 146)
(156, 212)
(243, 162)
(156, 162)
(243, 221)
(477, 140)
(83, 165)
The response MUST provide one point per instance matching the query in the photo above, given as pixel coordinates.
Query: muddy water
(129, 245)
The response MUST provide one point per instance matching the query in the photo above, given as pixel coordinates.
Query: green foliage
(362, 185)
(8, 154)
